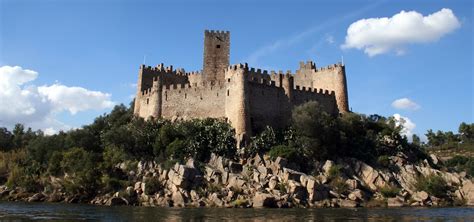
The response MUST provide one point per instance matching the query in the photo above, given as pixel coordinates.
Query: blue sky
(81, 57)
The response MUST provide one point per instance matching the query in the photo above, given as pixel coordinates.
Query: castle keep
(248, 98)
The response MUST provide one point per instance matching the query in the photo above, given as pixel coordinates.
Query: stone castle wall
(248, 98)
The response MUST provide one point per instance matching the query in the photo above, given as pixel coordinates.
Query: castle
(248, 98)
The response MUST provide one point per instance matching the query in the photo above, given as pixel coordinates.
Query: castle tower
(216, 55)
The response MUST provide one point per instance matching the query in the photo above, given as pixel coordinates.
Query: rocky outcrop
(263, 182)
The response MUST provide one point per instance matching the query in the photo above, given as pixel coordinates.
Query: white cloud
(408, 125)
(38, 107)
(405, 103)
(330, 39)
(383, 35)
(74, 99)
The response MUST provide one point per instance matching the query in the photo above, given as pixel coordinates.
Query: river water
(19, 211)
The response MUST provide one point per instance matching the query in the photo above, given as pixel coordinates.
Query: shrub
(433, 184)
(389, 191)
(339, 185)
(290, 153)
(152, 185)
(462, 163)
(383, 160)
(176, 149)
(54, 165)
(334, 171)
(112, 184)
(82, 168)
(262, 142)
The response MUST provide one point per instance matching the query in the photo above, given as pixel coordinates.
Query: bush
(389, 191)
(433, 184)
(290, 153)
(152, 185)
(339, 185)
(83, 171)
(383, 161)
(54, 165)
(177, 149)
(262, 142)
(112, 184)
(334, 171)
(462, 163)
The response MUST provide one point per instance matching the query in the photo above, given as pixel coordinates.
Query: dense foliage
(88, 158)
(96, 156)
(445, 140)
(317, 135)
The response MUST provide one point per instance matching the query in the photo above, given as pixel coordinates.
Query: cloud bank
(382, 35)
(405, 103)
(38, 107)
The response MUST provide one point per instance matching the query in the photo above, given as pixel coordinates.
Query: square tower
(216, 55)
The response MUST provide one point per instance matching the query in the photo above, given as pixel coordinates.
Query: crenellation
(248, 97)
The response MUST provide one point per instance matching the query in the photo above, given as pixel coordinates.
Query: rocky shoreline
(262, 182)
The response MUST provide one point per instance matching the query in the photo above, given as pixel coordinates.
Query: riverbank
(262, 182)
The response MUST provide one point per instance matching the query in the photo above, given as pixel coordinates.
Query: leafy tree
(466, 132)
(18, 132)
(6, 139)
(416, 140)
(84, 174)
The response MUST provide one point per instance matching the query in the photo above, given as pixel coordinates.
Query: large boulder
(116, 201)
(297, 190)
(327, 166)
(289, 174)
(178, 199)
(468, 192)
(395, 202)
(264, 200)
(236, 182)
(348, 203)
(420, 196)
(36, 198)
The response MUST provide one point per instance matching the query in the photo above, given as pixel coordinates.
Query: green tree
(416, 140)
(6, 139)
(82, 168)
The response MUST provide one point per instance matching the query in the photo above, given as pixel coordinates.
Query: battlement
(307, 65)
(214, 32)
(330, 67)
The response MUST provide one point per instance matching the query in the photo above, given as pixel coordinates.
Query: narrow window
(185, 95)
(166, 96)
(218, 46)
(218, 94)
(227, 92)
(147, 101)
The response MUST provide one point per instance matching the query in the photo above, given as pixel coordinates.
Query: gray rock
(420, 196)
(178, 199)
(327, 166)
(395, 202)
(36, 197)
(348, 203)
(289, 174)
(117, 201)
(264, 200)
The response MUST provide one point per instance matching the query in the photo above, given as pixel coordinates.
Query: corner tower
(216, 55)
